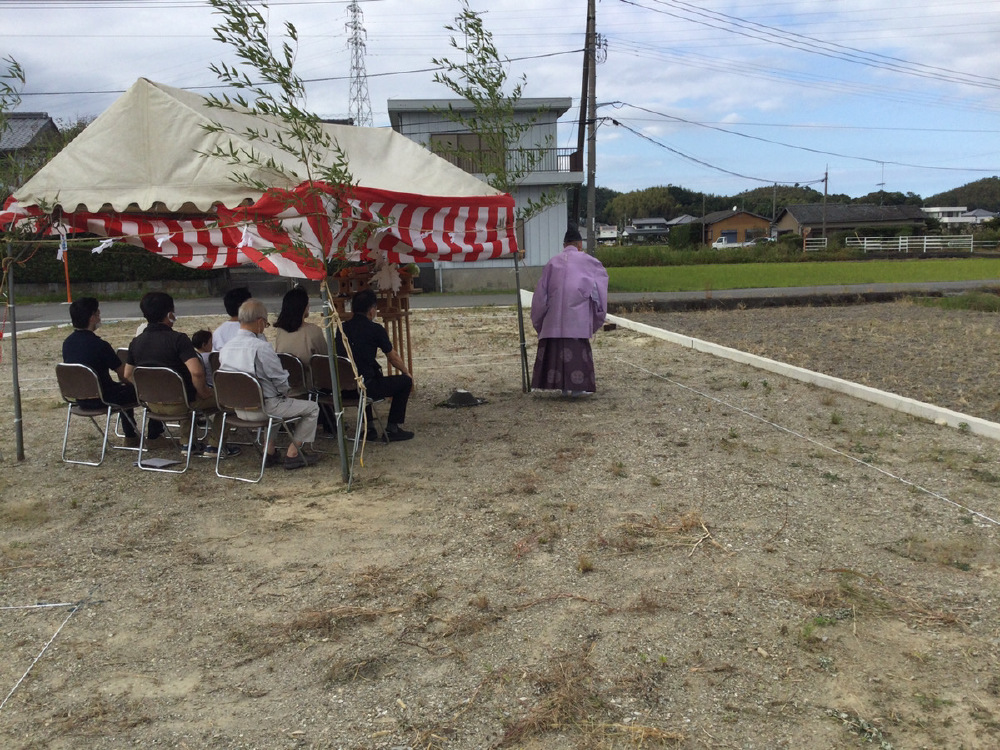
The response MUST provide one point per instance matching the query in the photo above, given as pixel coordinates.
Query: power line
(695, 160)
(323, 79)
(992, 170)
(814, 45)
(144, 4)
(804, 79)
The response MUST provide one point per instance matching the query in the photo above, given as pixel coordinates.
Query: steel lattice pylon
(361, 108)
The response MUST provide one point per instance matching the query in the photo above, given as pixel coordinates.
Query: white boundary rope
(815, 442)
(937, 414)
(41, 606)
(45, 648)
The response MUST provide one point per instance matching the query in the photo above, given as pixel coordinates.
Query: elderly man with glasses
(248, 352)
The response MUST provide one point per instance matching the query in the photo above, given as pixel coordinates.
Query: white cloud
(657, 61)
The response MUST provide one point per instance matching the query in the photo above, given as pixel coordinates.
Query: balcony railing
(530, 159)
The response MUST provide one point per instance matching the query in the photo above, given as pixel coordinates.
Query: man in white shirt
(248, 352)
(232, 301)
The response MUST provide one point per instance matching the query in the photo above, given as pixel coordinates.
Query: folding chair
(351, 396)
(298, 378)
(319, 367)
(239, 390)
(163, 387)
(78, 383)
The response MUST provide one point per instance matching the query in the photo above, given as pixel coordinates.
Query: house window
(466, 151)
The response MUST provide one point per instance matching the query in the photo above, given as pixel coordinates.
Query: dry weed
(352, 669)
(325, 622)
(25, 513)
(568, 696)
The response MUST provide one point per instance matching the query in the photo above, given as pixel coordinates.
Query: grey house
(24, 140)
(557, 169)
(809, 218)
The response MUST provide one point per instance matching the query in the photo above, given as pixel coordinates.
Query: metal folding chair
(319, 367)
(77, 384)
(163, 387)
(298, 377)
(351, 396)
(239, 390)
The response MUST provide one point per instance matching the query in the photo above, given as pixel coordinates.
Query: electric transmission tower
(361, 108)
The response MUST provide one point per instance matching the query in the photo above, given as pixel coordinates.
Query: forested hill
(984, 193)
(671, 201)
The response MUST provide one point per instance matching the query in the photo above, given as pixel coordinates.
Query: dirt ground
(702, 555)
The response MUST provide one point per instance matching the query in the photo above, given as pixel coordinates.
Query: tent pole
(12, 316)
(345, 466)
(525, 381)
(69, 295)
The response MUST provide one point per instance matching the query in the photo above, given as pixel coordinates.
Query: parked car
(722, 242)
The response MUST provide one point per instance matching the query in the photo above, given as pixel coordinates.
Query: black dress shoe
(396, 434)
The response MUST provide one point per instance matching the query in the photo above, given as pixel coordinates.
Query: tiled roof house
(809, 217)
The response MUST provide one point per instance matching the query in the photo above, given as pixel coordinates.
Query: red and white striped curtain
(294, 232)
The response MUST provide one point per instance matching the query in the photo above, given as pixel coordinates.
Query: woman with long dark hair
(293, 334)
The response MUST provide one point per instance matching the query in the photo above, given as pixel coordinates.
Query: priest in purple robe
(569, 306)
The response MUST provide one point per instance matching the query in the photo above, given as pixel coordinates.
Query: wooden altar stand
(393, 307)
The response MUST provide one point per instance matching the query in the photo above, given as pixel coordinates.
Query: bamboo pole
(12, 317)
(345, 466)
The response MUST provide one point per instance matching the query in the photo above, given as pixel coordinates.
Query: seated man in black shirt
(159, 345)
(84, 347)
(366, 338)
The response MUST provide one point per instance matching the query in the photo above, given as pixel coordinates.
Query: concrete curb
(937, 414)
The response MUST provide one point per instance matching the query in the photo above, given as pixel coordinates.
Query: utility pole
(591, 125)
(360, 106)
(576, 163)
(826, 180)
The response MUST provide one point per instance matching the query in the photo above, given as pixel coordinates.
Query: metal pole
(69, 295)
(345, 465)
(525, 380)
(826, 182)
(12, 316)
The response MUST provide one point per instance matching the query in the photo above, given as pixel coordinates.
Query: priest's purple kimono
(569, 306)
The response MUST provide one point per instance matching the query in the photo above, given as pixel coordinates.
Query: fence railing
(543, 160)
(814, 243)
(528, 160)
(932, 244)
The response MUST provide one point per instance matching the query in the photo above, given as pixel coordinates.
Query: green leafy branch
(278, 99)
(482, 80)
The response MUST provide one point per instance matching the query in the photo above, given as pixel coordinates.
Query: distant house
(979, 216)
(736, 226)
(958, 215)
(646, 230)
(682, 219)
(810, 218)
(24, 140)
(555, 169)
(606, 234)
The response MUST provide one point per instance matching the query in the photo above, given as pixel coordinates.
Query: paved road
(34, 316)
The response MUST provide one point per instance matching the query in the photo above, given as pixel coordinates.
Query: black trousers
(120, 394)
(395, 387)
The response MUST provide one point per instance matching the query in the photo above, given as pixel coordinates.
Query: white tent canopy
(137, 172)
(142, 154)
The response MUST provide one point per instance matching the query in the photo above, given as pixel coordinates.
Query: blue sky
(717, 97)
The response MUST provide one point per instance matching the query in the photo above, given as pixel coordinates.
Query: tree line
(671, 201)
